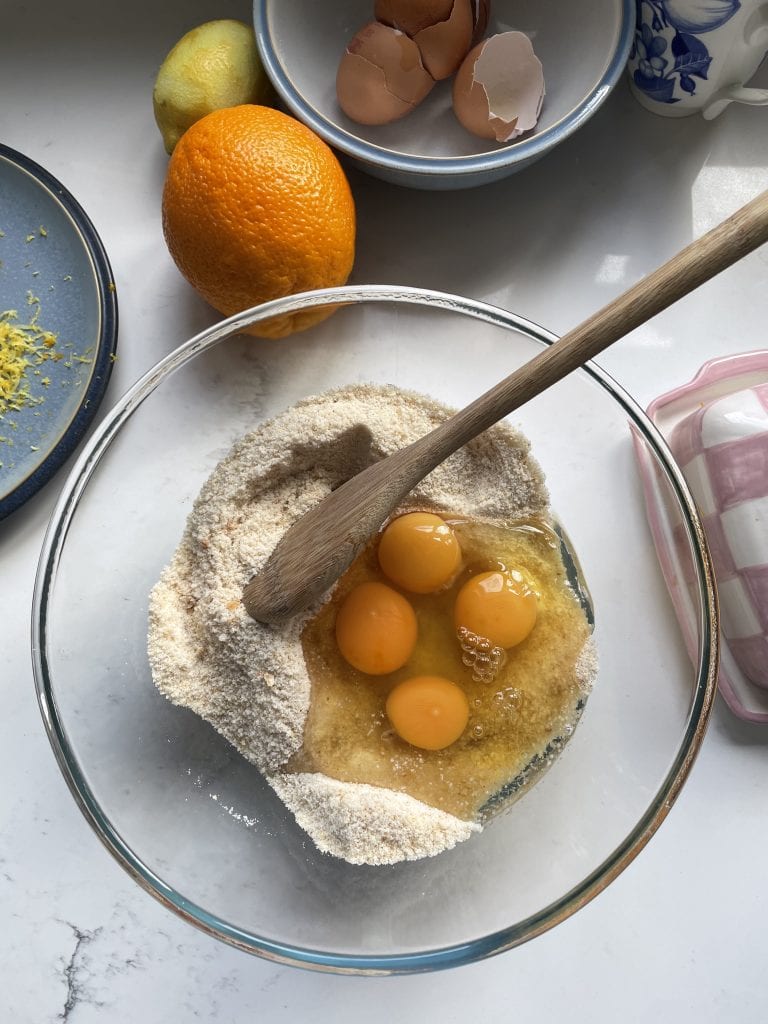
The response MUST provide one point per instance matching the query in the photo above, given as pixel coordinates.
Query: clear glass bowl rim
(450, 956)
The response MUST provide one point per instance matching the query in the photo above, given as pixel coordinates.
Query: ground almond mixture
(249, 680)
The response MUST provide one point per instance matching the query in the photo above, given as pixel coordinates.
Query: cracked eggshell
(411, 16)
(381, 77)
(442, 29)
(499, 89)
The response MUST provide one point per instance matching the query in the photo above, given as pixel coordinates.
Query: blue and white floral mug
(694, 56)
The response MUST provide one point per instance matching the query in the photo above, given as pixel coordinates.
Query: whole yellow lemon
(213, 66)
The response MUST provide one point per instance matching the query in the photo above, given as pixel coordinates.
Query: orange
(255, 207)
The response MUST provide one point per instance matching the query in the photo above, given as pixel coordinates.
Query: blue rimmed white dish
(583, 48)
(55, 276)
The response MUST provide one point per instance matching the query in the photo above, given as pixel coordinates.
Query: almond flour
(249, 680)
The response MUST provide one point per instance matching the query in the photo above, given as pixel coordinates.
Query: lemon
(213, 66)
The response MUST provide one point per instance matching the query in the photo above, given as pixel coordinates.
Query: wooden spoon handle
(322, 544)
(737, 236)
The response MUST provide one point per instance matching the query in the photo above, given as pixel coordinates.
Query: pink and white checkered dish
(717, 429)
(722, 450)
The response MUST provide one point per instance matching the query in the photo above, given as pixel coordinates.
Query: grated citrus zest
(23, 346)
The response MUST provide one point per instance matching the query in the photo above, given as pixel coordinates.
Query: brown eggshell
(444, 45)
(499, 88)
(412, 16)
(381, 77)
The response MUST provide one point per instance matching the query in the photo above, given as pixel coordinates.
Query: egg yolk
(428, 711)
(419, 552)
(376, 629)
(500, 606)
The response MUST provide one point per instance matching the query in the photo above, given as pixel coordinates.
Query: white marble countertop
(681, 934)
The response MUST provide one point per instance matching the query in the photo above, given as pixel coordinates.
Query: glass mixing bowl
(192, 821)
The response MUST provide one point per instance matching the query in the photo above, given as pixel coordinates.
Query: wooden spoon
(317, 549)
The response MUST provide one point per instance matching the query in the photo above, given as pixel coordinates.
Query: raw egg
(419, 552)
(499, 88)
(499, 606)
(428, 711)
(376, 629)
(442, 29)
(381, 77)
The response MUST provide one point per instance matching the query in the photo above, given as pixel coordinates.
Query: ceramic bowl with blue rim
(583, 47)
(58, 326)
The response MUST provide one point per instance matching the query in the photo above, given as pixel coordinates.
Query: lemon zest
(23, 348)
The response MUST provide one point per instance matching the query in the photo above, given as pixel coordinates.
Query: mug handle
(734, 94)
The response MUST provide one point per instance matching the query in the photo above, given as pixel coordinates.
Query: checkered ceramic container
(717, 429)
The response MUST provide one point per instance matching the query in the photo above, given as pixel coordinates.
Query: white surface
(681, 934)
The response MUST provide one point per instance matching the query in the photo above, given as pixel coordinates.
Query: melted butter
(516, 720)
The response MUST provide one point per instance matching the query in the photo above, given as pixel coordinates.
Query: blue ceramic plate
(55, 276)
